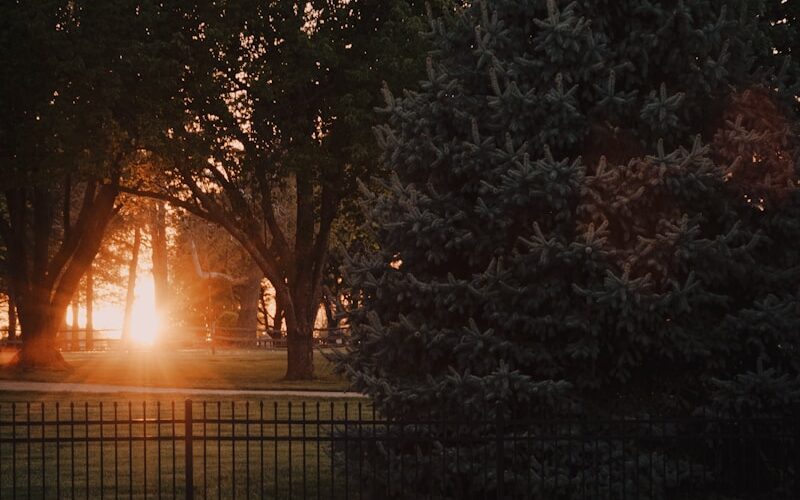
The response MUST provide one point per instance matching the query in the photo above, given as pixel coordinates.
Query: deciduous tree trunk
(248, 294)
(331, 316)
(89, 309)
(133, 265)
(39, 350)
(300, 355)
(40, 324)
(158, 235)
(263, 309)
(12, 318)
(45, 269)
(75, 341)
(301, 292)
(277, 320)
(299, 331)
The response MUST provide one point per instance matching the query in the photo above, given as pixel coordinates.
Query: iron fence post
(188, 450)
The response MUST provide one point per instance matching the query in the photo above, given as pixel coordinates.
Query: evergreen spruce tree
(593, 207)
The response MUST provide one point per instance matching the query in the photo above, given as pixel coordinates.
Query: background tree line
(256, 118)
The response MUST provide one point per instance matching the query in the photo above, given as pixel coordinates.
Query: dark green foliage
(593, 208)
(84, 84)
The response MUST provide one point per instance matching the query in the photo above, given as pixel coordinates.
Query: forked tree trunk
(45, 273)
(130, 297)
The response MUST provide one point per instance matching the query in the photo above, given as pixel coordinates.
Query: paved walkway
(22, 386)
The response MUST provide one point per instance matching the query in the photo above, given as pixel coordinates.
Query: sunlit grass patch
(196, 369)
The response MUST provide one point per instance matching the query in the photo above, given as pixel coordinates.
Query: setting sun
(145, 322)
(108, 317)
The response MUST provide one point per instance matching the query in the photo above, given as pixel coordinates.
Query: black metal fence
(345, 450)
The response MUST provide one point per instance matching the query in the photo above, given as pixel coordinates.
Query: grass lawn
(195, 369)
(124, 464)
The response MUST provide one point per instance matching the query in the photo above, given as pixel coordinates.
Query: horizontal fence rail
(215, 449)
(110, 339)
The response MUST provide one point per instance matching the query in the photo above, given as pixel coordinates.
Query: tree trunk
(158, 235)
(75, 342)
(277, 320)
(249, 292)
(299, 332)
(28, 258)
(12, 318)
(133, 264)
(40, 327)
(45, 271)
(39, 349)
(300, 353)
(89, 309)
(332, 319)
(263, 309)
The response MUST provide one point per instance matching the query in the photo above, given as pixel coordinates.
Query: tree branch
(268, 209)
(103, 209)
(328, 210)
(172, 200)
(248, 238)
(234, 195)
(208, 275)
(72, 239)
(304, 228)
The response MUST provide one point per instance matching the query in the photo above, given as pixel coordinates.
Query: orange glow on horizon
(145, 322)
(109, 316)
